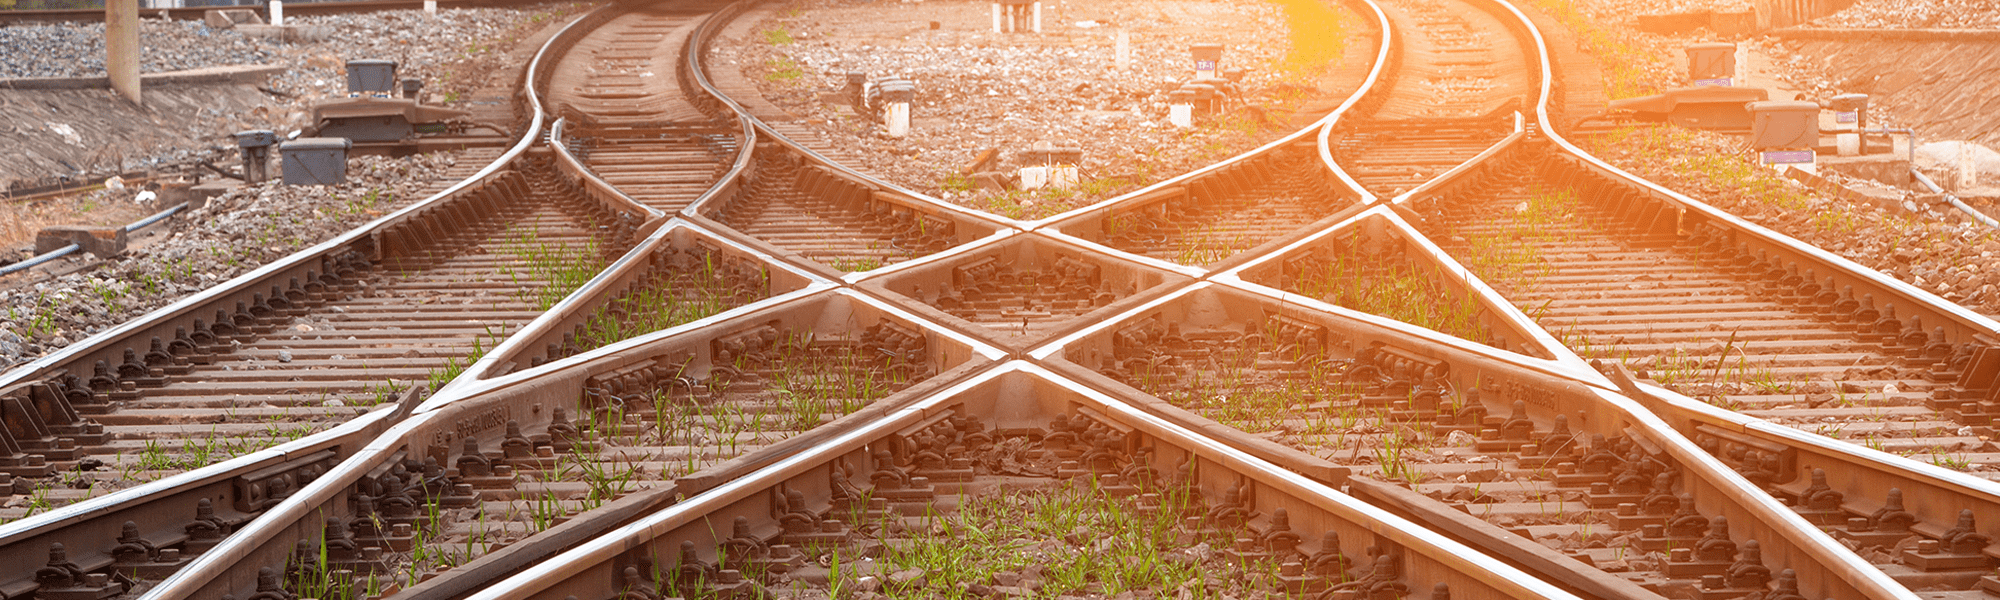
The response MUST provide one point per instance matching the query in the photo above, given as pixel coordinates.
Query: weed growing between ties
(452, 368)
(624, 444)
(1296, 394)
(857, 264)
(550, 271)
(1397, 289)
(1028, 205)
(1073, 539)
(1042, 537)
(1510, 259)
(681, 298)
(1628, 62)
(783, 70)
(1206, 244)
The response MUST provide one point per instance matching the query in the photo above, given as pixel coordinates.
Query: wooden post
(121, 46)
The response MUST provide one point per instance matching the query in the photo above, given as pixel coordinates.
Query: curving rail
(842, 368)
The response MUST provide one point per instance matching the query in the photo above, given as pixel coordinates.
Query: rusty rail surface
(841, 393)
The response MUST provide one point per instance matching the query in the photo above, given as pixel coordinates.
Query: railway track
(196, 13)
(781, 377)
(296, 348)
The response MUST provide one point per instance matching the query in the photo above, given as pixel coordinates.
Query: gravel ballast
(234, 234)
(77, 50)
(980, 90)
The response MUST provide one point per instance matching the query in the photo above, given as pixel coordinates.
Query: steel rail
(1386, 58)
(25, 542)
(1496, 306)
(1858, 474)
(619, 275)
(1789, 535)
(195, 13)
(1429, 554)
(886, 190)
(1801, 539)
(105, 344)
(1164, 189)
(518, 351)
(756, 129)
(1968, 326)
(529, 399)
(268, 539)
(1548, 388)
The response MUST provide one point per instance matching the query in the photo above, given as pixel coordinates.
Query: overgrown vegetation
(682, 298)
(1399, 290)
(550, 271)
(782, 69)
(1624, 60)
(1075, 539)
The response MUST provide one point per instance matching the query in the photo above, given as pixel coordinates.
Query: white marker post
(431, 7)
(996, 18)
(897, 94)
(1968, 169)
(277, 12)
(1033, 178)
(1180, 108)
(1124, 50)
(1038, 17)
(897, 117)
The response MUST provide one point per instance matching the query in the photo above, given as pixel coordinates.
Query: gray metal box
(1711, 61)
(1784, 124)
(367, 76)
(315, 161)
(256, 138)
(1849, 109)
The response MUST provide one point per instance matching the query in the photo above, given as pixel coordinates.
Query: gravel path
(978, 90)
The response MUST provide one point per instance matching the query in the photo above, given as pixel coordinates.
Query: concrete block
(1892, 169)
(990, 180)
(98, 241)
(287, 33)
(229, 18)
(178, 192)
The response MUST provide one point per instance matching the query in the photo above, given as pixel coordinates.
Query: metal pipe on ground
(1961, 206)
(32, 262)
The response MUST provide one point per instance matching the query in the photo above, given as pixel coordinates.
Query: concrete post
(277, 12)
(431, 7)
(1124, 50)
(121, 46)
(1180, 108)
(897, 117)
(1038, 17)
(1968, 169)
